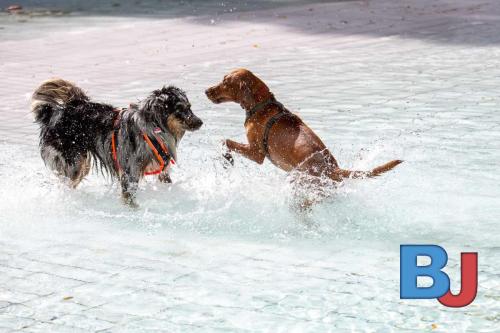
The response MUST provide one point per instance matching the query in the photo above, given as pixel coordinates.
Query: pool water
(233, 254)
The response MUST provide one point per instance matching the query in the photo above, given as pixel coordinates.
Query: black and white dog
(127, 143)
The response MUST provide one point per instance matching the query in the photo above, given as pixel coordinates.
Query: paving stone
(84, 321)
(13, 296)
(50, 327)
(11, 322)
(54, 306)
(43, 283)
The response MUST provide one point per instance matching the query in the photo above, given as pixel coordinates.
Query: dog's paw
(227, 157)
(228, 160)
(133, 205)
(129, 201)
(165, 178)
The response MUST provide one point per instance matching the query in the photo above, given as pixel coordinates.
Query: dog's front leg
(164, 177)
(251, 152)
(129, 185)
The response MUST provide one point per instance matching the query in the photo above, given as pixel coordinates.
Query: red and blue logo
(440, 288)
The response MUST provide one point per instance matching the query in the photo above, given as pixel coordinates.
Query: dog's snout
(214, 94)
(209, 92)
(198, 123)
(195, 122)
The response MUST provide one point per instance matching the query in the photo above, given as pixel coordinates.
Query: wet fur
(292, 145)
(75, 131)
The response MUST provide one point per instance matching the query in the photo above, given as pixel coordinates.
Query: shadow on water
(444, 21)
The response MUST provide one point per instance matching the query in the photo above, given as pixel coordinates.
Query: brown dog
(276, 133)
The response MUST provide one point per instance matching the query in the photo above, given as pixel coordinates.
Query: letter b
(409, 271)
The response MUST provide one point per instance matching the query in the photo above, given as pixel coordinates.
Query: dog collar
(259, 106)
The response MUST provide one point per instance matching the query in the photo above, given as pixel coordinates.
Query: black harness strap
(274, 119)
(164, 155)
(259, 106)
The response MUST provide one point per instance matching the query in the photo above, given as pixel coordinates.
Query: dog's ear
(154, 108)
(157, 102)
(246, 93)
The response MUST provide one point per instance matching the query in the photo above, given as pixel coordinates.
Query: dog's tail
(53, 94)
(373, 173)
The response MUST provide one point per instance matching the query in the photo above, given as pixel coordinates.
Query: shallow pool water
(235, 254)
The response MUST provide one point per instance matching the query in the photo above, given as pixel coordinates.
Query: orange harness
(156, 144)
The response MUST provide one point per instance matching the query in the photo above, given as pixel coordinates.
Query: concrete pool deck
(77, 280)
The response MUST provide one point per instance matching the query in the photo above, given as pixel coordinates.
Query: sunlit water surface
(336, 266)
